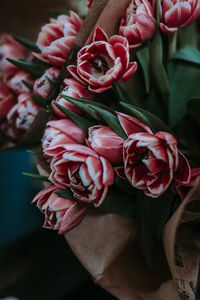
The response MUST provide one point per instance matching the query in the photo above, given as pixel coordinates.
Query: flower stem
(172, 44)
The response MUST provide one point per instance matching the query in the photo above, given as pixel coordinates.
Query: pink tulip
(104, 141)
(21, 116)
(103, 62)
(151, 161)
(183, 189)
(74, 89)
(178, 14)
(14, 81)
(60, 214)
(43, 85)
(84, 171)
(7, 101)
(59, 133)
(138, 23)
(9, 48)
(56, 38)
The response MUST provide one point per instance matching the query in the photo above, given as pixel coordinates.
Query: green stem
(172, 44)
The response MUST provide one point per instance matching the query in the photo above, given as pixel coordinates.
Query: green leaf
(111, 120)
(82, 122)
(143, 56)
(67, 194)
(158, 69)
(83, 104)
(36, 176)
(28, 44)
(189, 54)
(37, 154)
(152, 215)
(40, 101)
(194, 109)
(152, 121)
(125, 187)
(184, 86)
(34, 69)
(28, 84)
(118, 203)
(188, 36)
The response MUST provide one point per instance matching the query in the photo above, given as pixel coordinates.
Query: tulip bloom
(7, 101)
(74, 89)
(60, 214)
(12, 49)
(151, 161)
(138, 23)
(56, 38)
(21, 116)
(178, 13)
(103, 62)
(79, 168)
(14, 81)
(104, 141)
(61, 132)
(43, 85)
(183, 189)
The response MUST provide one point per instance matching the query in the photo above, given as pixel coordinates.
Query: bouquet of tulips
(117, 104)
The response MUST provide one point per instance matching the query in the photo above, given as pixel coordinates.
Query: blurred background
(34, 263)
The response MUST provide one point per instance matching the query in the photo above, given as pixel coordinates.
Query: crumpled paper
(107, 247)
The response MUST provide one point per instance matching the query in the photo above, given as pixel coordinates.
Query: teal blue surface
(18, 216)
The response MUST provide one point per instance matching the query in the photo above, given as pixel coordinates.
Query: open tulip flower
(178, 13)
(7, 101)
(83, 170)
(151, 161)
(138, 23)
(103, 62)
(60, 214)
(56, 38)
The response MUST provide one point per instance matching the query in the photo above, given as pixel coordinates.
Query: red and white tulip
(60, 214)
(151, 161)
(61, 132)
(7, 101)
(178, 14)
(87, 174)
(138, 23)
(43, 85)
(75, 89)
(183, 189)
(104, 141)
(57, 37)
(14, 81)
(103, 62)
(9, 48)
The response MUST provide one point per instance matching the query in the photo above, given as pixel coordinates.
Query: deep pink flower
(84, 171)
(7, 101)
(21, 116)
(74, 89)
(9, 48)
(61, 132)
(151, 161)
(183, 189)
(14, 81)
(138, 23)
(103, 62)
(43, 85)
(178, 14)
(104, 141)
(57, 37)
(60, 214)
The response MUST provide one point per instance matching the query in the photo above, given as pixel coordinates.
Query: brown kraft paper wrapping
(106, 246)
